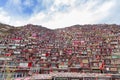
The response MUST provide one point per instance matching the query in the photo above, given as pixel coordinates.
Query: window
(75, 79)
(61, 78)
(19, 74)
(1, 75)
(89, 78)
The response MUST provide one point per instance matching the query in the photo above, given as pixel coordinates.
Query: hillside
(90, 48)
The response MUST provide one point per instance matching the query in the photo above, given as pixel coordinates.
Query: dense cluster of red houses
(36, 50)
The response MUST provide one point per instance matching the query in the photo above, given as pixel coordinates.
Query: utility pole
(8, 72)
